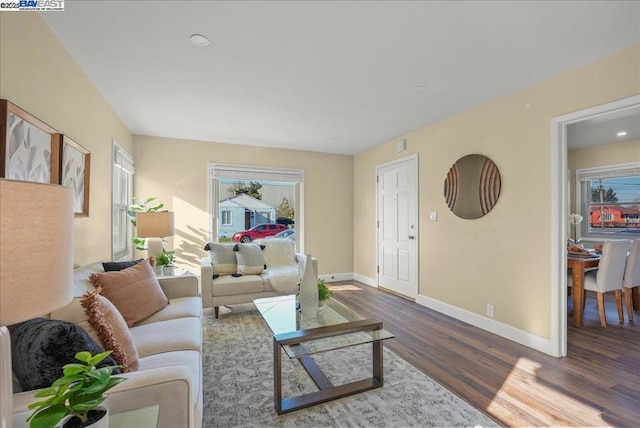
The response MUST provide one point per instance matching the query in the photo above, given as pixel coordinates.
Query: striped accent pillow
(223, 258)
(250, 259)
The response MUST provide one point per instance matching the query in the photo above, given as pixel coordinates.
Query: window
(255, 195)
(227, 218)
(611, 198)
(266, 215)
(122, 193)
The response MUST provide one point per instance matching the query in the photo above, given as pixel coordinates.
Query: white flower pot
(102, 423)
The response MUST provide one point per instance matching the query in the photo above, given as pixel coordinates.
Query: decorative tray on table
(577, 251)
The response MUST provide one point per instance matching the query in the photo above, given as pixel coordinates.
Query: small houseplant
(77, 393)
(166, 258)
(323, 291)
(165, 262)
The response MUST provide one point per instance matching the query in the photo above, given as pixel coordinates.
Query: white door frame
(560, 211)
(417, 194)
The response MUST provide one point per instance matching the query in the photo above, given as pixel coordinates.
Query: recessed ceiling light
(199, 40)
(621, 133)
(199, 123)
(419, 88)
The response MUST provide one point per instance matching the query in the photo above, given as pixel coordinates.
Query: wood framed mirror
(472, 186)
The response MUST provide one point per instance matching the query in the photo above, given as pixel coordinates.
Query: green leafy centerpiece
(78, 392)
(323, 291)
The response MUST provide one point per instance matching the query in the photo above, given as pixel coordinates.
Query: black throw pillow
(40, 347)
(116, 266)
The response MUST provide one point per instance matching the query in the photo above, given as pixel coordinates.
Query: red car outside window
(258, 231)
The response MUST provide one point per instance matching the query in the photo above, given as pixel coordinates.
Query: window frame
(219, 171)
(122, 172)
(229, 221)
(584, 177)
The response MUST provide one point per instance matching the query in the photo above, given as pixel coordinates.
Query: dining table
(578, 263)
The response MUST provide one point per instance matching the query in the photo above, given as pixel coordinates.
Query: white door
(398, 226)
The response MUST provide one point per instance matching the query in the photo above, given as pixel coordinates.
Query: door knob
(412, 237)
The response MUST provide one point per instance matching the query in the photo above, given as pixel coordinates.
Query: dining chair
(632, 276)
(609, 276)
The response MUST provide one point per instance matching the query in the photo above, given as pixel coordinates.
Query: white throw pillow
(223, 258)
(250, 259)
(278, 252)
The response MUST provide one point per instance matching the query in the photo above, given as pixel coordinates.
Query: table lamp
(36, 263)
(155, 226)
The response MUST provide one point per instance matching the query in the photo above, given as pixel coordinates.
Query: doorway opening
(560, 203)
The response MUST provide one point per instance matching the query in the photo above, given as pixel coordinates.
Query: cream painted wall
(503, 258)
(175, 171)
(38, 75)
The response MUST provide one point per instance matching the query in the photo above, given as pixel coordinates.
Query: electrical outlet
(490, 311)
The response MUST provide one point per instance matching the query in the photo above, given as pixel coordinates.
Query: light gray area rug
(238, 385)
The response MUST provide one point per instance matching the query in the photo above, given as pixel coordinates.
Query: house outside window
(611, 201)
(227, 218)
(122, 195)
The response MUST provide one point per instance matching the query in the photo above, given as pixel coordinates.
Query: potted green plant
(323, 291)
(165, 262)
(78, 393)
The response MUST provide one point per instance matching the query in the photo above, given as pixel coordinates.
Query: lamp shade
(36, 249)
(155, 225)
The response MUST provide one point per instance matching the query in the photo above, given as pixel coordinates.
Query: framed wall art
(75, 168)
(472, 186)
(29, 149)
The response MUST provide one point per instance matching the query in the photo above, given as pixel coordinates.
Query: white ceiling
(335, 77)
(603, 129)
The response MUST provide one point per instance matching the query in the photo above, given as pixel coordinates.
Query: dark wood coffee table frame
(327, 390)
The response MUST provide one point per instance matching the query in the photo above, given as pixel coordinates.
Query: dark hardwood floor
(597, 384)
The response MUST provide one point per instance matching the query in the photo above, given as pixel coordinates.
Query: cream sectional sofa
(169, 345)
(221, 290)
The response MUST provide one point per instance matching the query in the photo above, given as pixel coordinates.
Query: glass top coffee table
(334, 327)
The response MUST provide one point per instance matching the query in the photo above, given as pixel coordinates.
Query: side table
(170, 272)
(144, 417)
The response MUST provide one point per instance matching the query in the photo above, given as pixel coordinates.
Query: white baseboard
(349, 276)
(336, 277)
(366, 280)
(522, 337)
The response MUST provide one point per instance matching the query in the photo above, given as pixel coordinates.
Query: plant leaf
(97, 359)
(84, 356)
(48, 417)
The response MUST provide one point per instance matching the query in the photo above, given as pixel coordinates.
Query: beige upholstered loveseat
(169, 345)
(225, 280)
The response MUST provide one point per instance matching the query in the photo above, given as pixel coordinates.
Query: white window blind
(248, 173)
(121, 194)
(612, 171)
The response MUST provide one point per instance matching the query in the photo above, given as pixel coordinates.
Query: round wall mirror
(472, 186)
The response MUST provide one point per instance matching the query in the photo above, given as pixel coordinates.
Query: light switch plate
(433, 216)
